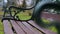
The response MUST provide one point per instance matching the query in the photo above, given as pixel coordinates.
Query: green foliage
(1, 32)
(45, 21)
(52, 28)
(1, 28)
(24, 16)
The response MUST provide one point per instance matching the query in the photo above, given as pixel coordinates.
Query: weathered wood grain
(7, 27)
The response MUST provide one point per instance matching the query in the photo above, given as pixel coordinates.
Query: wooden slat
(46, 31)
(31, 28)
(28, 31)
(7, 27)
(17, 28)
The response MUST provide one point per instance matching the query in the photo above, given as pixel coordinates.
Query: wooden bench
(24, 27)
(28, 27)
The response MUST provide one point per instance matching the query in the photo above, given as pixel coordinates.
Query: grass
(52, 28)
(1, 13)
(1, 24)
(1, 28)
(23, 16)
(45, 21)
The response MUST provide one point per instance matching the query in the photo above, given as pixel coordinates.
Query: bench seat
(24, 27)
